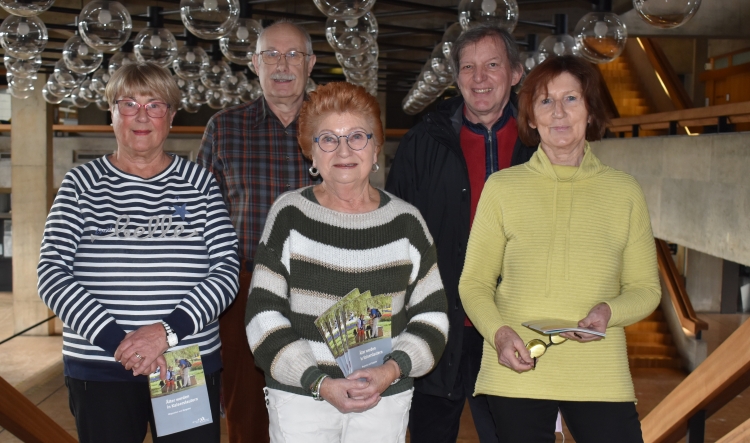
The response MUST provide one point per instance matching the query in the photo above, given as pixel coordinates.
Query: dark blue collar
(479, 128)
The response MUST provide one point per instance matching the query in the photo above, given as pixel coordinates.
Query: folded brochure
(356, 330)
(551, 326)
(181, 401)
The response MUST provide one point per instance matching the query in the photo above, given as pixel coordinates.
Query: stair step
(654, 361)
(647, 326)
(638, 349)
(649, 337)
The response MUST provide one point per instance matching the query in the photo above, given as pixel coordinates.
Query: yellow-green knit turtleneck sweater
(563, 239)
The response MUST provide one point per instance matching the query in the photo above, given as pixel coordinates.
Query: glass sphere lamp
(84, 91)
(20, 94)
(102, 103)
(666, 14)
(338, 28)
(78, 101)
(26, 8)
(157, 45)
(209, 19)
(99, 80)
(238, 45)
(20, 84)
(80, 57)
(349, 9)
(105, 25)
(67, 78)
(50, 97)
(190, 62)
(55, 88)
(213, 74)
(216, 99)
(22, 68)
(600, 36)
(557, 45)
(119, 60)
(199, 93)
(450, 36)
(23, 37)
(501, 13)
(189, 106)
(233, 83)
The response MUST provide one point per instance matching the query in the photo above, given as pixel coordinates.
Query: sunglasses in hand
(537, 347)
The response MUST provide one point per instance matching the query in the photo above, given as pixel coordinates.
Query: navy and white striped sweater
(120, 252)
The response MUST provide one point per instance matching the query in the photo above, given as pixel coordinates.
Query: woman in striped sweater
(321, 242)
(138, 256)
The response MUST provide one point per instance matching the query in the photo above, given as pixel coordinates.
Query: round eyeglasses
(537, 347)
(329, 141)
(293, 58)
(131, 107)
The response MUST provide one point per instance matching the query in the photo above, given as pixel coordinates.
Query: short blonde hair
(338, 98)
(144, 78)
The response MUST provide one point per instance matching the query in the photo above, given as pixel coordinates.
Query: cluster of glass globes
(352, 32)
(436, 76)
(23, 36)
(500, 13)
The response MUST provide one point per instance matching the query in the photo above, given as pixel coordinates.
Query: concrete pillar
(32, 194)
(704, 281)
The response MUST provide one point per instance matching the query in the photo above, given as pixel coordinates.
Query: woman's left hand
(378, 380)
(596, 320)
(149, 342)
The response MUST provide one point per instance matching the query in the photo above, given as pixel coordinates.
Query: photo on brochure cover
(184, 372)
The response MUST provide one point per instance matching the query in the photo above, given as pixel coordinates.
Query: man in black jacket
(440, 167)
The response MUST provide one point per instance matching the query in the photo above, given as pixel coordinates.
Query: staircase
(650, 344)
(625, 88)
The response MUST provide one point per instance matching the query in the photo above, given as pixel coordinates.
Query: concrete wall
(697, 188)
(704, 281)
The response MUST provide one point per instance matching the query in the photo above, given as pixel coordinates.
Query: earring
(170, 126)
(314, 171)
(375, 167)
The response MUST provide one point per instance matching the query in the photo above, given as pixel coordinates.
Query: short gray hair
(145, 78)
(285, 21)
(478, 33)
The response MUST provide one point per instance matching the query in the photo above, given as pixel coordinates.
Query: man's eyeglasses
(293, 58)
(537, 347)
(329, 141)
(131, 107)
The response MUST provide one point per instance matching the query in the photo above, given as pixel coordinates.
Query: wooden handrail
(677, 292)
(740, 434)
(26, 421)
(715, 382)
(663, 67)
(734, 112)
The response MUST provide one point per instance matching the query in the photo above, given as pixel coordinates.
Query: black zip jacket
(429, 171)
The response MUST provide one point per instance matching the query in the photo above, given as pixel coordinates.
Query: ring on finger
(138, 356)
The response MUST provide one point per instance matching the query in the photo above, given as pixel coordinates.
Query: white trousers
(297, 418)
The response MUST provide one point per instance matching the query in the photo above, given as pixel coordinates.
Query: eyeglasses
(329, 141)
(293, 58)
(131, 107)
(537, 347)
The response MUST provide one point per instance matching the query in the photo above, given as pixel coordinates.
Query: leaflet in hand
(357, 330)
(551, 326)
(181, 401)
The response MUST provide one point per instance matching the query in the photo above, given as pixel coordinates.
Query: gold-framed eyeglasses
(328, 141)
(272, 57)
(131, 107)
(537, 347)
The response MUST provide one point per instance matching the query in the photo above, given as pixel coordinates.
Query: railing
(677, 293)
(720, 116)
(715, 382)
(740, 434)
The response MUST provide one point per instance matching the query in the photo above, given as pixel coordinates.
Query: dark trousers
(118, 412)
(434, 419)
(533, 421)
(243, 382)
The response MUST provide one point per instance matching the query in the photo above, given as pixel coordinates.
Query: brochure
(357, 330)
(551, 326)
(181, 401)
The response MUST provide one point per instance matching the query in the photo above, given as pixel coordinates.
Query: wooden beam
(677, 292)
(26, 421)
(740, 434)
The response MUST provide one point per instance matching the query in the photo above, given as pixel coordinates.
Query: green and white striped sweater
(310, 256)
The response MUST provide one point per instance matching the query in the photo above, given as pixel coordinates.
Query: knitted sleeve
(419, 347)
(278, 350)
(640, 291)
(484, 261)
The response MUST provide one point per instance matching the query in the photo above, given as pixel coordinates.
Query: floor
(34, 366)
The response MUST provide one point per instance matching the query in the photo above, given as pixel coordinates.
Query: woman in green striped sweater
(567, 238)
(321, 242)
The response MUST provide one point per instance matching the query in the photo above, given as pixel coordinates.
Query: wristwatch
(172, 339)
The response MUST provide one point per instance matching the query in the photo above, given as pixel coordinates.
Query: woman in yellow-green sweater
(566, 237)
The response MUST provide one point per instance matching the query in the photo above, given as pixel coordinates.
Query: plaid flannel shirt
(254, 159)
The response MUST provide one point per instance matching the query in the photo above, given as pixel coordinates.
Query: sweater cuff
(403, 361)
(181, 323)
(110, 337)
(309, 376)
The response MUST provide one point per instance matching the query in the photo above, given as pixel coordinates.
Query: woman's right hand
(334, 391)
(511, 351)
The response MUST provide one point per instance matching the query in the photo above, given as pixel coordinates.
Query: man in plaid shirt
(252, 150)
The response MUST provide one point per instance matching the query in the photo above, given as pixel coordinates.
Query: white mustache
(283, 76)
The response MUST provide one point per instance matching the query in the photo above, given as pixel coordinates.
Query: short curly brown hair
(338, 98)
(592, 88)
